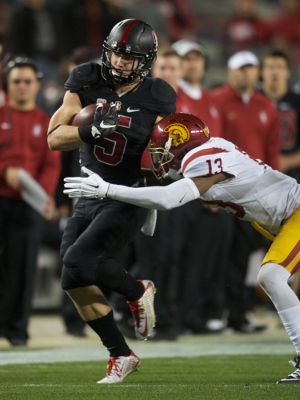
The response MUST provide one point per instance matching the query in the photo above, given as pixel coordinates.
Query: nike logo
(102, 125)
(129, 110)
(144, 334)
(180, 201)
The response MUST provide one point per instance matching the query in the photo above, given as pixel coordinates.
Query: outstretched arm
(159, 198)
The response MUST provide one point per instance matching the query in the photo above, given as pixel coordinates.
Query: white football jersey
(256, 192)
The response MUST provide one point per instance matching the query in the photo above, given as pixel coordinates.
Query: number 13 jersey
(255, 192)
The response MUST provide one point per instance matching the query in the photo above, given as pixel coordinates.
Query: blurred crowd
(234, 64)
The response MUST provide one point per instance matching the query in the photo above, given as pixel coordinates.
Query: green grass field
(205, 377)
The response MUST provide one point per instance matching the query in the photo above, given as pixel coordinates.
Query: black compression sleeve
(85, 133)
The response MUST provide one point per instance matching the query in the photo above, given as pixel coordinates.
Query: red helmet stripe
(128, 29)
(202, 153)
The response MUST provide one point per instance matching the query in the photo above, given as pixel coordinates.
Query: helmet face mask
(131, 38)
(172, 138)
(160, 158)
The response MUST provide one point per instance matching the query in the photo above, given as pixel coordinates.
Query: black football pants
(98, 230)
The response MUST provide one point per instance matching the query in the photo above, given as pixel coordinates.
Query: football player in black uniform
(275, 75)
(111, 146)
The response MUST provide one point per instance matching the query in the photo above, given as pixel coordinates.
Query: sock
(116, 278)
(110, 335)
(131, 288)
(291, 321)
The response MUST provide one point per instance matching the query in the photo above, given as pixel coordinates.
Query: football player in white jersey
(223, 176)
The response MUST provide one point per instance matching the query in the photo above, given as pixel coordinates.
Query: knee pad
(271, 276)
(67, 282)
(82, 269)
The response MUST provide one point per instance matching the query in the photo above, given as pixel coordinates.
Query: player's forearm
(159, 198)
(289, 161)
(64, 138)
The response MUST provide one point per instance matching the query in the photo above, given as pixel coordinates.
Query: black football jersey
(117, 157)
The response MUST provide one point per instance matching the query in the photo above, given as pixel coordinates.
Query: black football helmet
(133, 38)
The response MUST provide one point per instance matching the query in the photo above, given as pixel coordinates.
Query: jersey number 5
(113, 146)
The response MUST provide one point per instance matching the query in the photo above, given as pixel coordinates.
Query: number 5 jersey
(117, 157)
(253, 192)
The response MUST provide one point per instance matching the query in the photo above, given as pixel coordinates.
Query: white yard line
(148, 350)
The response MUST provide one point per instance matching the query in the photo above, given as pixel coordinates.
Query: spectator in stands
(88, 23)
(194, 271)
(36, 32)
(245, 28)
(192, 97)
(285, 27)
(171, 19)
(197, 270)
(23, 144)
(179, 18)
(2, 92)
(275, 85)
(251, 122)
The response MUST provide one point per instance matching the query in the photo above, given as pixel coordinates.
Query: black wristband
(85, 133)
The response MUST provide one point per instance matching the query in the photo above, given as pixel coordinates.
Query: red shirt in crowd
(246, 31)
(253, 126)
(23, 144)
(201, 105)
(198, 101)
(287, 27)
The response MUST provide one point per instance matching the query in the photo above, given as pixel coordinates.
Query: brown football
(86, 115)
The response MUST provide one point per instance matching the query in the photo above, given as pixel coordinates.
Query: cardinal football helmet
(172, 138)
(133, 38)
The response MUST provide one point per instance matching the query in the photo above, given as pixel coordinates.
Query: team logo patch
(206, 131)
(179, 134)
(118, 105)
(101, 101)
(263, 117)
(37, 129)
(155, 40)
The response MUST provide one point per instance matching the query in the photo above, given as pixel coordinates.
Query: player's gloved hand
(174, 174)
(92, 187)
(103, 124)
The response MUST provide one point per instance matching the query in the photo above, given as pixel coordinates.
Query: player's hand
(173, 174)
(92, 187)
(12, 178)
(104, 124)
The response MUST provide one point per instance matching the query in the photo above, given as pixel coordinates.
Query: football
(86, 115)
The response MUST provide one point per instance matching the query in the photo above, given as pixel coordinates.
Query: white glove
(173, 174)
(92, 187)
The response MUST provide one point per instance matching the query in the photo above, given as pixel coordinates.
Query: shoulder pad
(162, 91)
(83, 77)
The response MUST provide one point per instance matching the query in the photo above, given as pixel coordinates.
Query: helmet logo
(154, 40)
(179, 133)
(206, 131)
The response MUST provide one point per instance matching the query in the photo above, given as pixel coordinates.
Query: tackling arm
(159, 198)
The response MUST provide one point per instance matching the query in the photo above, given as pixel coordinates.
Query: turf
(213, 377)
